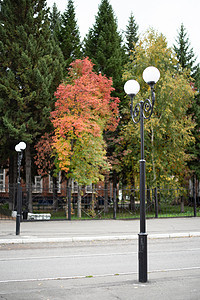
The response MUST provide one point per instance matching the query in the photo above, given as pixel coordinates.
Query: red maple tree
(83, 111)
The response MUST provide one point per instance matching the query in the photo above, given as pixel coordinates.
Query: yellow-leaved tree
(168, 132)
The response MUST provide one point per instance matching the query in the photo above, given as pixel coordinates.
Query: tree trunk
(115, 182)
(79, 202)
(12, 181)
(132, 196)
(148, 198)
(69, 204)
(194, 196)
(197, 192)
(182, 205)
(106, 195)
(93, 214)
(28, 178)
(152, 155)
(55, 193)
(114, 179)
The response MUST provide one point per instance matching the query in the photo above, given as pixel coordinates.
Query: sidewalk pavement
(96, 230)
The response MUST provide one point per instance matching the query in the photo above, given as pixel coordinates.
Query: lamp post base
(18, 217)
(19, 208)
(142, 257)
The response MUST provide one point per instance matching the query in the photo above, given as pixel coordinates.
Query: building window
(2, 180)
(58, 183)
(74, 186)
(190, 188)
(88, 188)
(37, 187)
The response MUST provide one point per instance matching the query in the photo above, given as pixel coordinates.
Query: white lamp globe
(17, 148)
(151, 75)
(22, 145)
(131, 87)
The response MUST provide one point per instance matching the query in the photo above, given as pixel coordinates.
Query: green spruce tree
(69, 35)
(187, 59)
(31, 67)
(103, 44)
(131, 34)
(55, 22)
(195, 111)
(185, 54)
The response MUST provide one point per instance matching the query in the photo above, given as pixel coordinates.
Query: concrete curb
(28, 240)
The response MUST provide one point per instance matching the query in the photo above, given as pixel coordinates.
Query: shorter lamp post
(19, 148)
(143, 110)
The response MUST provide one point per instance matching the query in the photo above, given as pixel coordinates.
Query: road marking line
(92, 255)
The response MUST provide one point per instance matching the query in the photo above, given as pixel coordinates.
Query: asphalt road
(100, 270)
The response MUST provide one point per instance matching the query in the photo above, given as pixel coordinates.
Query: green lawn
(165, 211)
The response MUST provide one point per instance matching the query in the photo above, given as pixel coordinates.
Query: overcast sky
(164, 16)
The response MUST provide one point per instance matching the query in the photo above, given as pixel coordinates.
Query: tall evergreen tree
(187, 59)
(131, 34)
(195, 111)
(185, 54)
(103, 44)
(55, 21)
(69, 35)
(194, 164)
(31, 67)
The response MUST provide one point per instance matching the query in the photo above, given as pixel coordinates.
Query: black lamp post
(143, 110)
(19, 148)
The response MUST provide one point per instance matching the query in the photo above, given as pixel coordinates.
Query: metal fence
(99, 203)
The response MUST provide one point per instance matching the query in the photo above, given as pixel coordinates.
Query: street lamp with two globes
(143, 110)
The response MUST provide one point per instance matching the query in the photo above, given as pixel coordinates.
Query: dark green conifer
(103, 44)
(55, 22)
(131, 34)
(195, 111)
(185, 54)
(31, 67)
(187, 59)
(69, 35)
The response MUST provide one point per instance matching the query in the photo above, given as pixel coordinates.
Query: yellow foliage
(168, 132)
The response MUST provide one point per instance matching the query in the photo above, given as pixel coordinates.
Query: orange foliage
(83, 111)
(84, 103)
